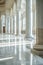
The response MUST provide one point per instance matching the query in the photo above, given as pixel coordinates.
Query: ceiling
(6, 5)
(2, 2)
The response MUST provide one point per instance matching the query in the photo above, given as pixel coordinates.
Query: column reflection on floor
(15, 46)
(20, 48)
(17, 53)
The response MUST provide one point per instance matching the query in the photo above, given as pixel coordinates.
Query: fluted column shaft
(29, 19)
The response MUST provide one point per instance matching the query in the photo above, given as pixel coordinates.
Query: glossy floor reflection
(18, 53)
(26, 58)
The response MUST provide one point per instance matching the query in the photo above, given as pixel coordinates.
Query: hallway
(21, 32)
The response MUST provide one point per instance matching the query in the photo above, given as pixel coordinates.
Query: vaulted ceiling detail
(6, 5)
(2, 3)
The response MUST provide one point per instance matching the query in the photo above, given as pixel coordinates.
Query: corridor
(21, 32)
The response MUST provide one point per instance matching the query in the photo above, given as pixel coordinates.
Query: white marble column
(13, 24)
(17, 22)
(0, 24)
(15, 17)
(34, 17)
(20, 24)
(29, 19)
(18, 17)
(7, 22)
(11, 21)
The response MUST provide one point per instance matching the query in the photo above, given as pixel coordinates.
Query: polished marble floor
(18, 52)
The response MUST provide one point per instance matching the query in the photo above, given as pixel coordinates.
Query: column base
(38, 50)
(29, 38)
